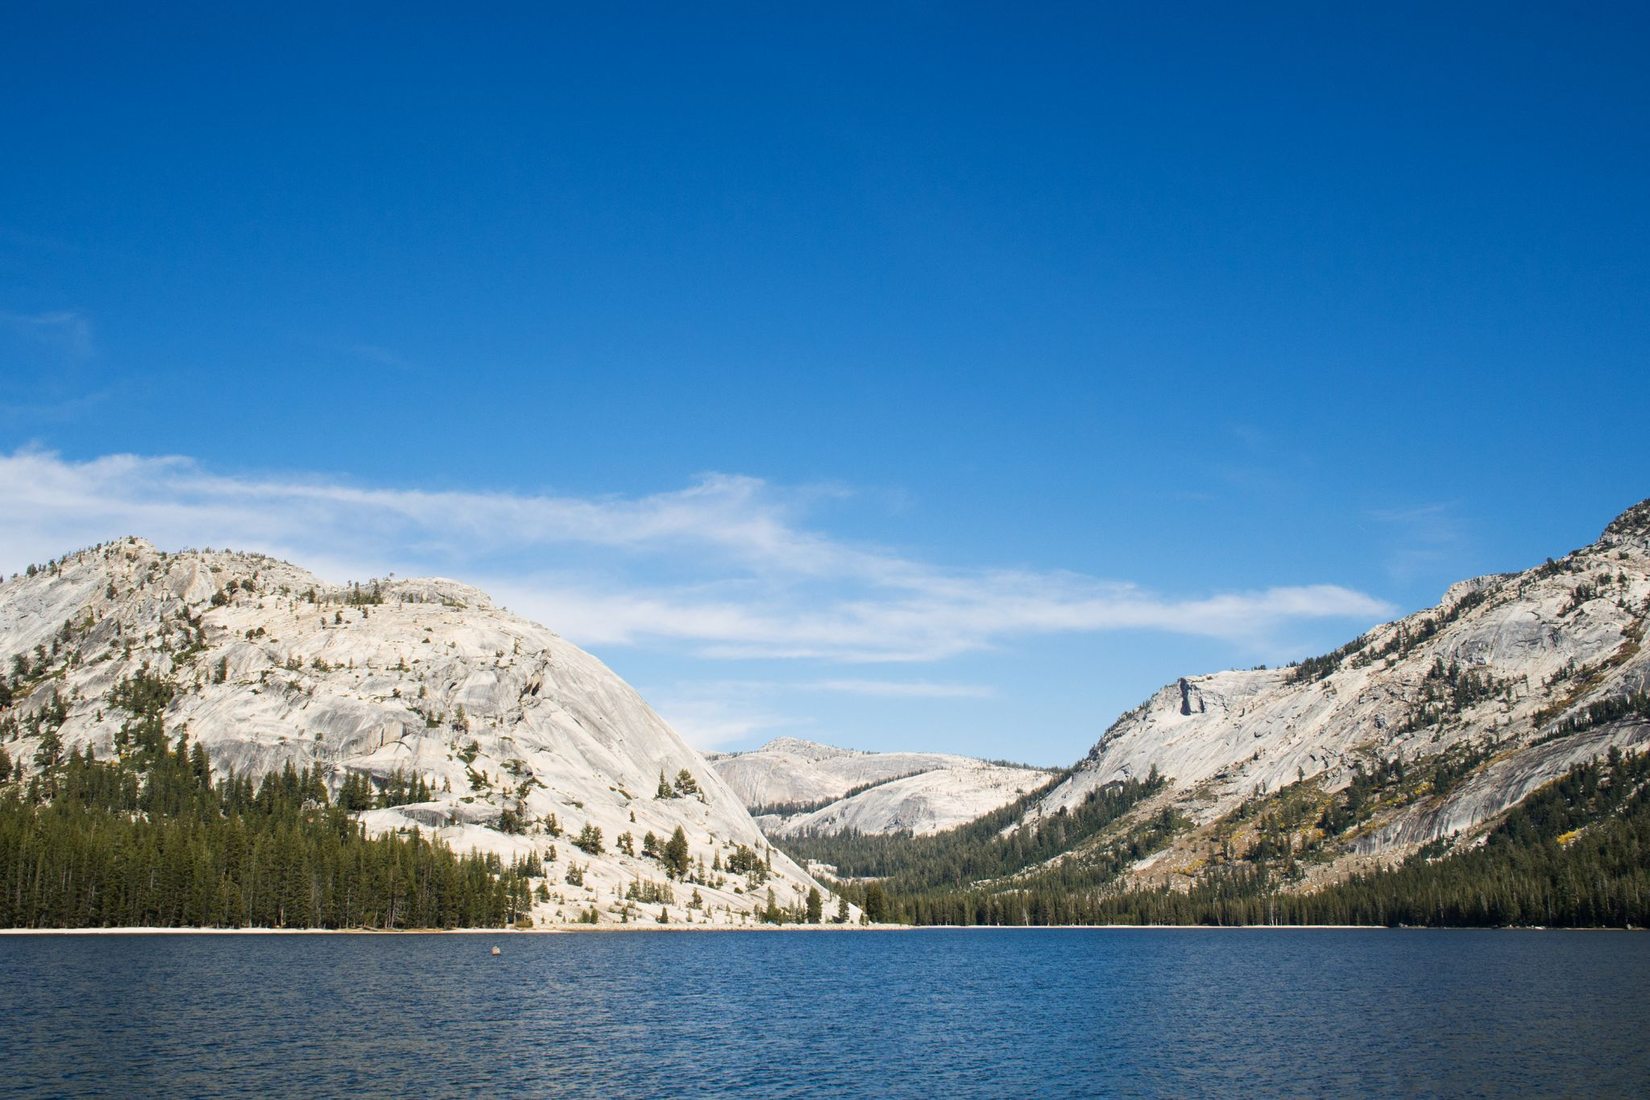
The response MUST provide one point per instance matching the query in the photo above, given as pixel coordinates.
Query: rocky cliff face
(813, 788)
(521, 738)
(1489, 693)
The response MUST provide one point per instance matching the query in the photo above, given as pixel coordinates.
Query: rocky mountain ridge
(462, 720)
(796, 786)
(1416, 734)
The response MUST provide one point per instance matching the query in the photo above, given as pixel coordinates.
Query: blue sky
(943, 377)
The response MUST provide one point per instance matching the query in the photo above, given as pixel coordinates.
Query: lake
(947, 1013)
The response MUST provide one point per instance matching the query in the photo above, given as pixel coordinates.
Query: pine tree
(876, 903)
(676, 854)
(589, 839)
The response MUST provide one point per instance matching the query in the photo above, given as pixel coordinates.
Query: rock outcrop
(1512, 678)
(521, 738)
(801, 786)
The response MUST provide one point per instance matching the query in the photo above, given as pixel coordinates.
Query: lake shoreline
(563, 929)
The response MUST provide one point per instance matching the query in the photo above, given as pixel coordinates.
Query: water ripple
(1046, 1013)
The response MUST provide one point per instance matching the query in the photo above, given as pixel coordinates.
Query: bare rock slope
(798, 786)
(521, 738)
(1508, 682)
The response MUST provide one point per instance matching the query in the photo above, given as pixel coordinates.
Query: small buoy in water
(496, 951)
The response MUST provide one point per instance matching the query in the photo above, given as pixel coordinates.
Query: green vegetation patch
(152, 840)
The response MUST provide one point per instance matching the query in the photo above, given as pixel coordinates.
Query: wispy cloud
(723, 568)
(714, 712)
(711, 723)
(47, 359)
(1419, 538)
(49, 410)
(904, 689)
(64, 333)
(928, 618)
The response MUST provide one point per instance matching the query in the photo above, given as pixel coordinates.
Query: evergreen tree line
(914, 873)
(153, 840)
(362, 792)
(1634, 704)
(1574, 854)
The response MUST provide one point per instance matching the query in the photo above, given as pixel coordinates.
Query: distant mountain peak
(811, 750)
(803, 786)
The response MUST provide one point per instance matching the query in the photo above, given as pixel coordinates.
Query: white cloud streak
(65, 333)
(903, 689)
(724, 567)
(710, 723)
(713, 713)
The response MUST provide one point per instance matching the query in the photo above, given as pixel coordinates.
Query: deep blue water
(940, 1013)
